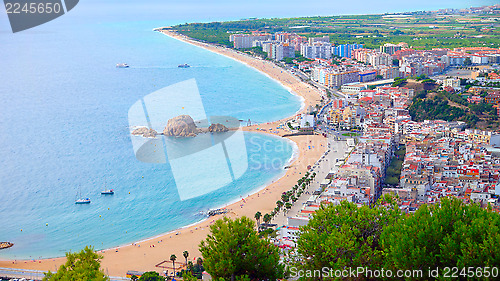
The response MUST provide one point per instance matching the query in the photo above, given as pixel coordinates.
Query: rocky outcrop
(5, 245)
(145, 132)
(150, 134)
(181, 126)
(217, 128)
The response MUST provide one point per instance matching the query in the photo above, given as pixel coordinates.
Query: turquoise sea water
(63, 125)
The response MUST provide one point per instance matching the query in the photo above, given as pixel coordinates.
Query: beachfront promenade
(337, 149)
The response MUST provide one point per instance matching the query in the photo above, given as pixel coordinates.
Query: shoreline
(240, 57)
(143, 255)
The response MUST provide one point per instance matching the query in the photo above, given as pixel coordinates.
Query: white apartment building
(316, 50)
(243, 41)
(324, 39)
(377, 58)
(280, 51)
(451, 82)
(479, 59)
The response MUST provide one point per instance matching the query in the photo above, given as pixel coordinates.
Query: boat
(184, 65)
(215, 212)
(122, 65)
(80, 199)
(108, 192)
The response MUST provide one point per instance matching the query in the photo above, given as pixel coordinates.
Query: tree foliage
(151, 276)
(449, 234)
(83, 266)
(437, 108)
(233, 249)
(345, 235)
(445, 235)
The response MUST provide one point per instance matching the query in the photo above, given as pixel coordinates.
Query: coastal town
(366, 116)
(396, 128)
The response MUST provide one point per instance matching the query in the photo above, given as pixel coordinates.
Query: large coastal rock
(145, 132)
(217, 128)
(181, 126)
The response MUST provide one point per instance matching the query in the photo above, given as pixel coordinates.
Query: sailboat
(80, 199)
(107, 191)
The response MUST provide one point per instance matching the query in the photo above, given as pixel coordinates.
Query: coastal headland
(144, 255)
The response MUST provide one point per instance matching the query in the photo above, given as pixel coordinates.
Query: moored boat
(108, 192)
(82, 201)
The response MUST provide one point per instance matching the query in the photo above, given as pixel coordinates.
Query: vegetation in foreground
(84, 266)
(234, 250)
(449, 234)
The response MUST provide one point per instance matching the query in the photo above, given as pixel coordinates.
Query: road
(321, 168)
(34, 274)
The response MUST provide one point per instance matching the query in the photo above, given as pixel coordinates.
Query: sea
(65, 132)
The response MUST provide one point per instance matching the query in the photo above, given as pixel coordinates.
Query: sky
(236, 9)
(182, 11)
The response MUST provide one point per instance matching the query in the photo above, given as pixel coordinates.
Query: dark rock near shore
(5, 245)
(145, 132)
(217, 128)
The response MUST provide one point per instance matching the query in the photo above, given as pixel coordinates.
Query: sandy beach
(143, 256)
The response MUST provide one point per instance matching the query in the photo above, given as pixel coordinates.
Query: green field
(419, 30)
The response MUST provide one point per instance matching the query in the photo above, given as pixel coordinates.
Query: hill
(442, 105)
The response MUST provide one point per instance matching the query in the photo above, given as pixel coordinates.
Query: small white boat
(108, 192)
(122, 65)
(80, 199)
(184, 65)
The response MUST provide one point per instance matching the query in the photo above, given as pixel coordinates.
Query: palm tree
(267, 218)
(173, 258)
(258, 215)
(186, 255)
(279, 204)
(199, 263)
